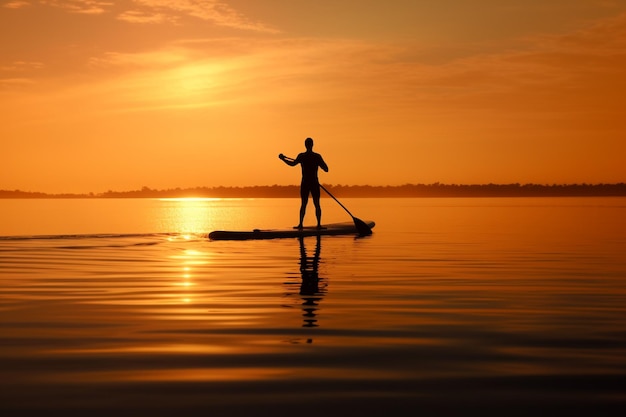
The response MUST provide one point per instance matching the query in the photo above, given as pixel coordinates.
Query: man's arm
(323, 164)
(289, 161)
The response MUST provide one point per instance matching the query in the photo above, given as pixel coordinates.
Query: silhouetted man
(309, 161)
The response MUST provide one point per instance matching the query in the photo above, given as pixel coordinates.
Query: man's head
(308, 143)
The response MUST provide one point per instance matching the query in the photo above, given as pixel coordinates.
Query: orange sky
(102, 94)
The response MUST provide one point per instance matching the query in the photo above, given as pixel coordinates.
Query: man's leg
(304, 199)
(315, 193)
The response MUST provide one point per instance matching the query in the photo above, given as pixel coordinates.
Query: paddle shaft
(361, 226)
(338, 202)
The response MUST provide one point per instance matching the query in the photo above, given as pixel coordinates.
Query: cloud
(565, 73)
(559, 64)
(573, 73)
(215, 11)
(155, 59)
(81, 6)
(16, 4)
(17, 75)
(136, 16)
(20, 66)
(15, 82)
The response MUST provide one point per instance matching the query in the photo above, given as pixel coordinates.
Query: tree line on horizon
(389, 191)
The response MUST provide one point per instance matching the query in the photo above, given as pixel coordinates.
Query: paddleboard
(346, 228)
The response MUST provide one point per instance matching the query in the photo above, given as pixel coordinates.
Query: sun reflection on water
(189, 260)
(188, 216)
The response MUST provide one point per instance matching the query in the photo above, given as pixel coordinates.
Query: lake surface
(452, 307)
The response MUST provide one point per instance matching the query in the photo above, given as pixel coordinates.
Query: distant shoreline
(351, 191)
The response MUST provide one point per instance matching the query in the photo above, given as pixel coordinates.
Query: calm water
(452, 307)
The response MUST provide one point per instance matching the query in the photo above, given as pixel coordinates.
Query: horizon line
(443, 189)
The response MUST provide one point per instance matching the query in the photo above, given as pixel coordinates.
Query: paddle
(361, 226)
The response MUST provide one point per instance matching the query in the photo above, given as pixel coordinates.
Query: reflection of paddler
(309, 288)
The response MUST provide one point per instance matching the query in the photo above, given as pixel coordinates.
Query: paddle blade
(362, 227)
